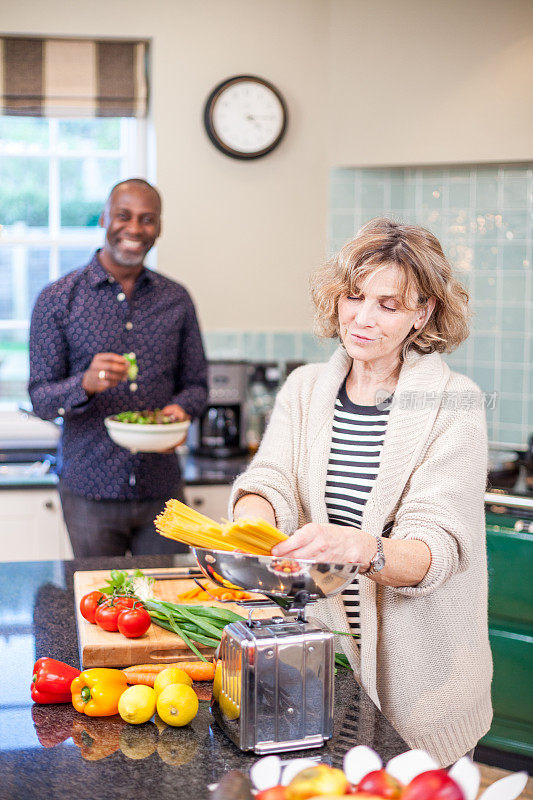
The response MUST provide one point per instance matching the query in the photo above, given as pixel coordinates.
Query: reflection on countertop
(54, 751)
(205, 470)
(32, 469)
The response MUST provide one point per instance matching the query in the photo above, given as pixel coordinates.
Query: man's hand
(335, 544)
(178, 414)
(175, 411)
(105, 371)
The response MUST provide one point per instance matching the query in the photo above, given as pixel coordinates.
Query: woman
(379, 457)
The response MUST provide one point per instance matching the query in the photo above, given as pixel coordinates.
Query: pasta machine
(273, 688)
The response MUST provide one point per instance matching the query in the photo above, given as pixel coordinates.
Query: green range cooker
(509, 521)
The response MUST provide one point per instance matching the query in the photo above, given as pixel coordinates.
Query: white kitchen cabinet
(32, 526)
(209, 500)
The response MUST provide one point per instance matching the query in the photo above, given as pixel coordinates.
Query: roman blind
(73, 77)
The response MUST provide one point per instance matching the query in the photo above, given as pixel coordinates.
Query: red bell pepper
(51, 681)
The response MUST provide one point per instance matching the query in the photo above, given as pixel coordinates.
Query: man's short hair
(136, 182)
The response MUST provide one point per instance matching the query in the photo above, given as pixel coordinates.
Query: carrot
(193, 594)
(149, 667)
(199, 670)
(207, 593)
(146, 673)
(143, 678)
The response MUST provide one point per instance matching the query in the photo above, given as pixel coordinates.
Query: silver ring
(101, 374)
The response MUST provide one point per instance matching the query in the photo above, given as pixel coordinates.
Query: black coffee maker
(221, 430)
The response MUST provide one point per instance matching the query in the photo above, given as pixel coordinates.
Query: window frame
(133, 162)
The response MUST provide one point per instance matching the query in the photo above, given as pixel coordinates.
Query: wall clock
(245, 117)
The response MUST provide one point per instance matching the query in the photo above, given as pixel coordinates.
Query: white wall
(430, 81)
(367, 83)
(242, 236)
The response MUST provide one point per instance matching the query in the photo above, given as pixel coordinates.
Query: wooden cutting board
(99, 648)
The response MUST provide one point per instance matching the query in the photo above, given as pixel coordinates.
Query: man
(81, 326)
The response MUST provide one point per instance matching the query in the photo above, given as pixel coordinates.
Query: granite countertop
(53, 751)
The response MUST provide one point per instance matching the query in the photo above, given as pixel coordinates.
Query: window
(54, 177)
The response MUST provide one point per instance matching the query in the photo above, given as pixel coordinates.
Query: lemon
(177, 704)
(169, 676)
(137, 704)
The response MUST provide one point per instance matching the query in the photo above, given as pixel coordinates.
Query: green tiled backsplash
(483, 216)
(267, 346)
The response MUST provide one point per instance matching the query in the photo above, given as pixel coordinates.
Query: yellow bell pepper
(96, 692)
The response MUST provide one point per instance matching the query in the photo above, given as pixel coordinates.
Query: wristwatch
(378, 562)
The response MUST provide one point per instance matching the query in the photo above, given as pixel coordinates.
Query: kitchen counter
(196, 470)
(201, 470)
(53, 751)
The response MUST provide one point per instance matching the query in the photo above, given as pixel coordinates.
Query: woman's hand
(335, 544)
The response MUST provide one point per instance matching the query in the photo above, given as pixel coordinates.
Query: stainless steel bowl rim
(256, 573)
(270, 558)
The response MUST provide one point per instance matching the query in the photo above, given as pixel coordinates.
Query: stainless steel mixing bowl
(275, 577)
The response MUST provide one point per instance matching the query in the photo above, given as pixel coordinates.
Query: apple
(433, 785)
(381, 784)
(320, 780)
(274, 793)
(357, 795)
(367, 796)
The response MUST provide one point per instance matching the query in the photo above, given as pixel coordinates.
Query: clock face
(245, 117)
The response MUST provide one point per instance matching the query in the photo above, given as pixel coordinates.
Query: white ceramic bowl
(146, 438)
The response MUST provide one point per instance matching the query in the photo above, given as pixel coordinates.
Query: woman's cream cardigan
(425, 656)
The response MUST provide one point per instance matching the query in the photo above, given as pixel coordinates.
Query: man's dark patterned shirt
(84, 313)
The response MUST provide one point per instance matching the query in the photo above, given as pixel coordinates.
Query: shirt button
(121, 296)
(60, 411)
(111, 279)
(129, 326)
(132, 480)
(133, 387)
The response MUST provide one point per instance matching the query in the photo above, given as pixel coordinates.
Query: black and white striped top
(356, 444)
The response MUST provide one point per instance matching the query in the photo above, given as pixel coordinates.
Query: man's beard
(125, 260)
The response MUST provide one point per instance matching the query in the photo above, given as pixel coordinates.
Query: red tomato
(89, 604)
(134, 622)
(274, 793)
(107, 615)
(126, 602)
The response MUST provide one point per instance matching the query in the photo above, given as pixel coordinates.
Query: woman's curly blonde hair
(425, 272)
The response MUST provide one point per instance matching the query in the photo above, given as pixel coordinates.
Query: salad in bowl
(148, 431)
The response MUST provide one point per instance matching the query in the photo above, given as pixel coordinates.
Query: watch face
(245, 117)
(378, 563)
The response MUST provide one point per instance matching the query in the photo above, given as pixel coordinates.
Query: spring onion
(201, 624)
